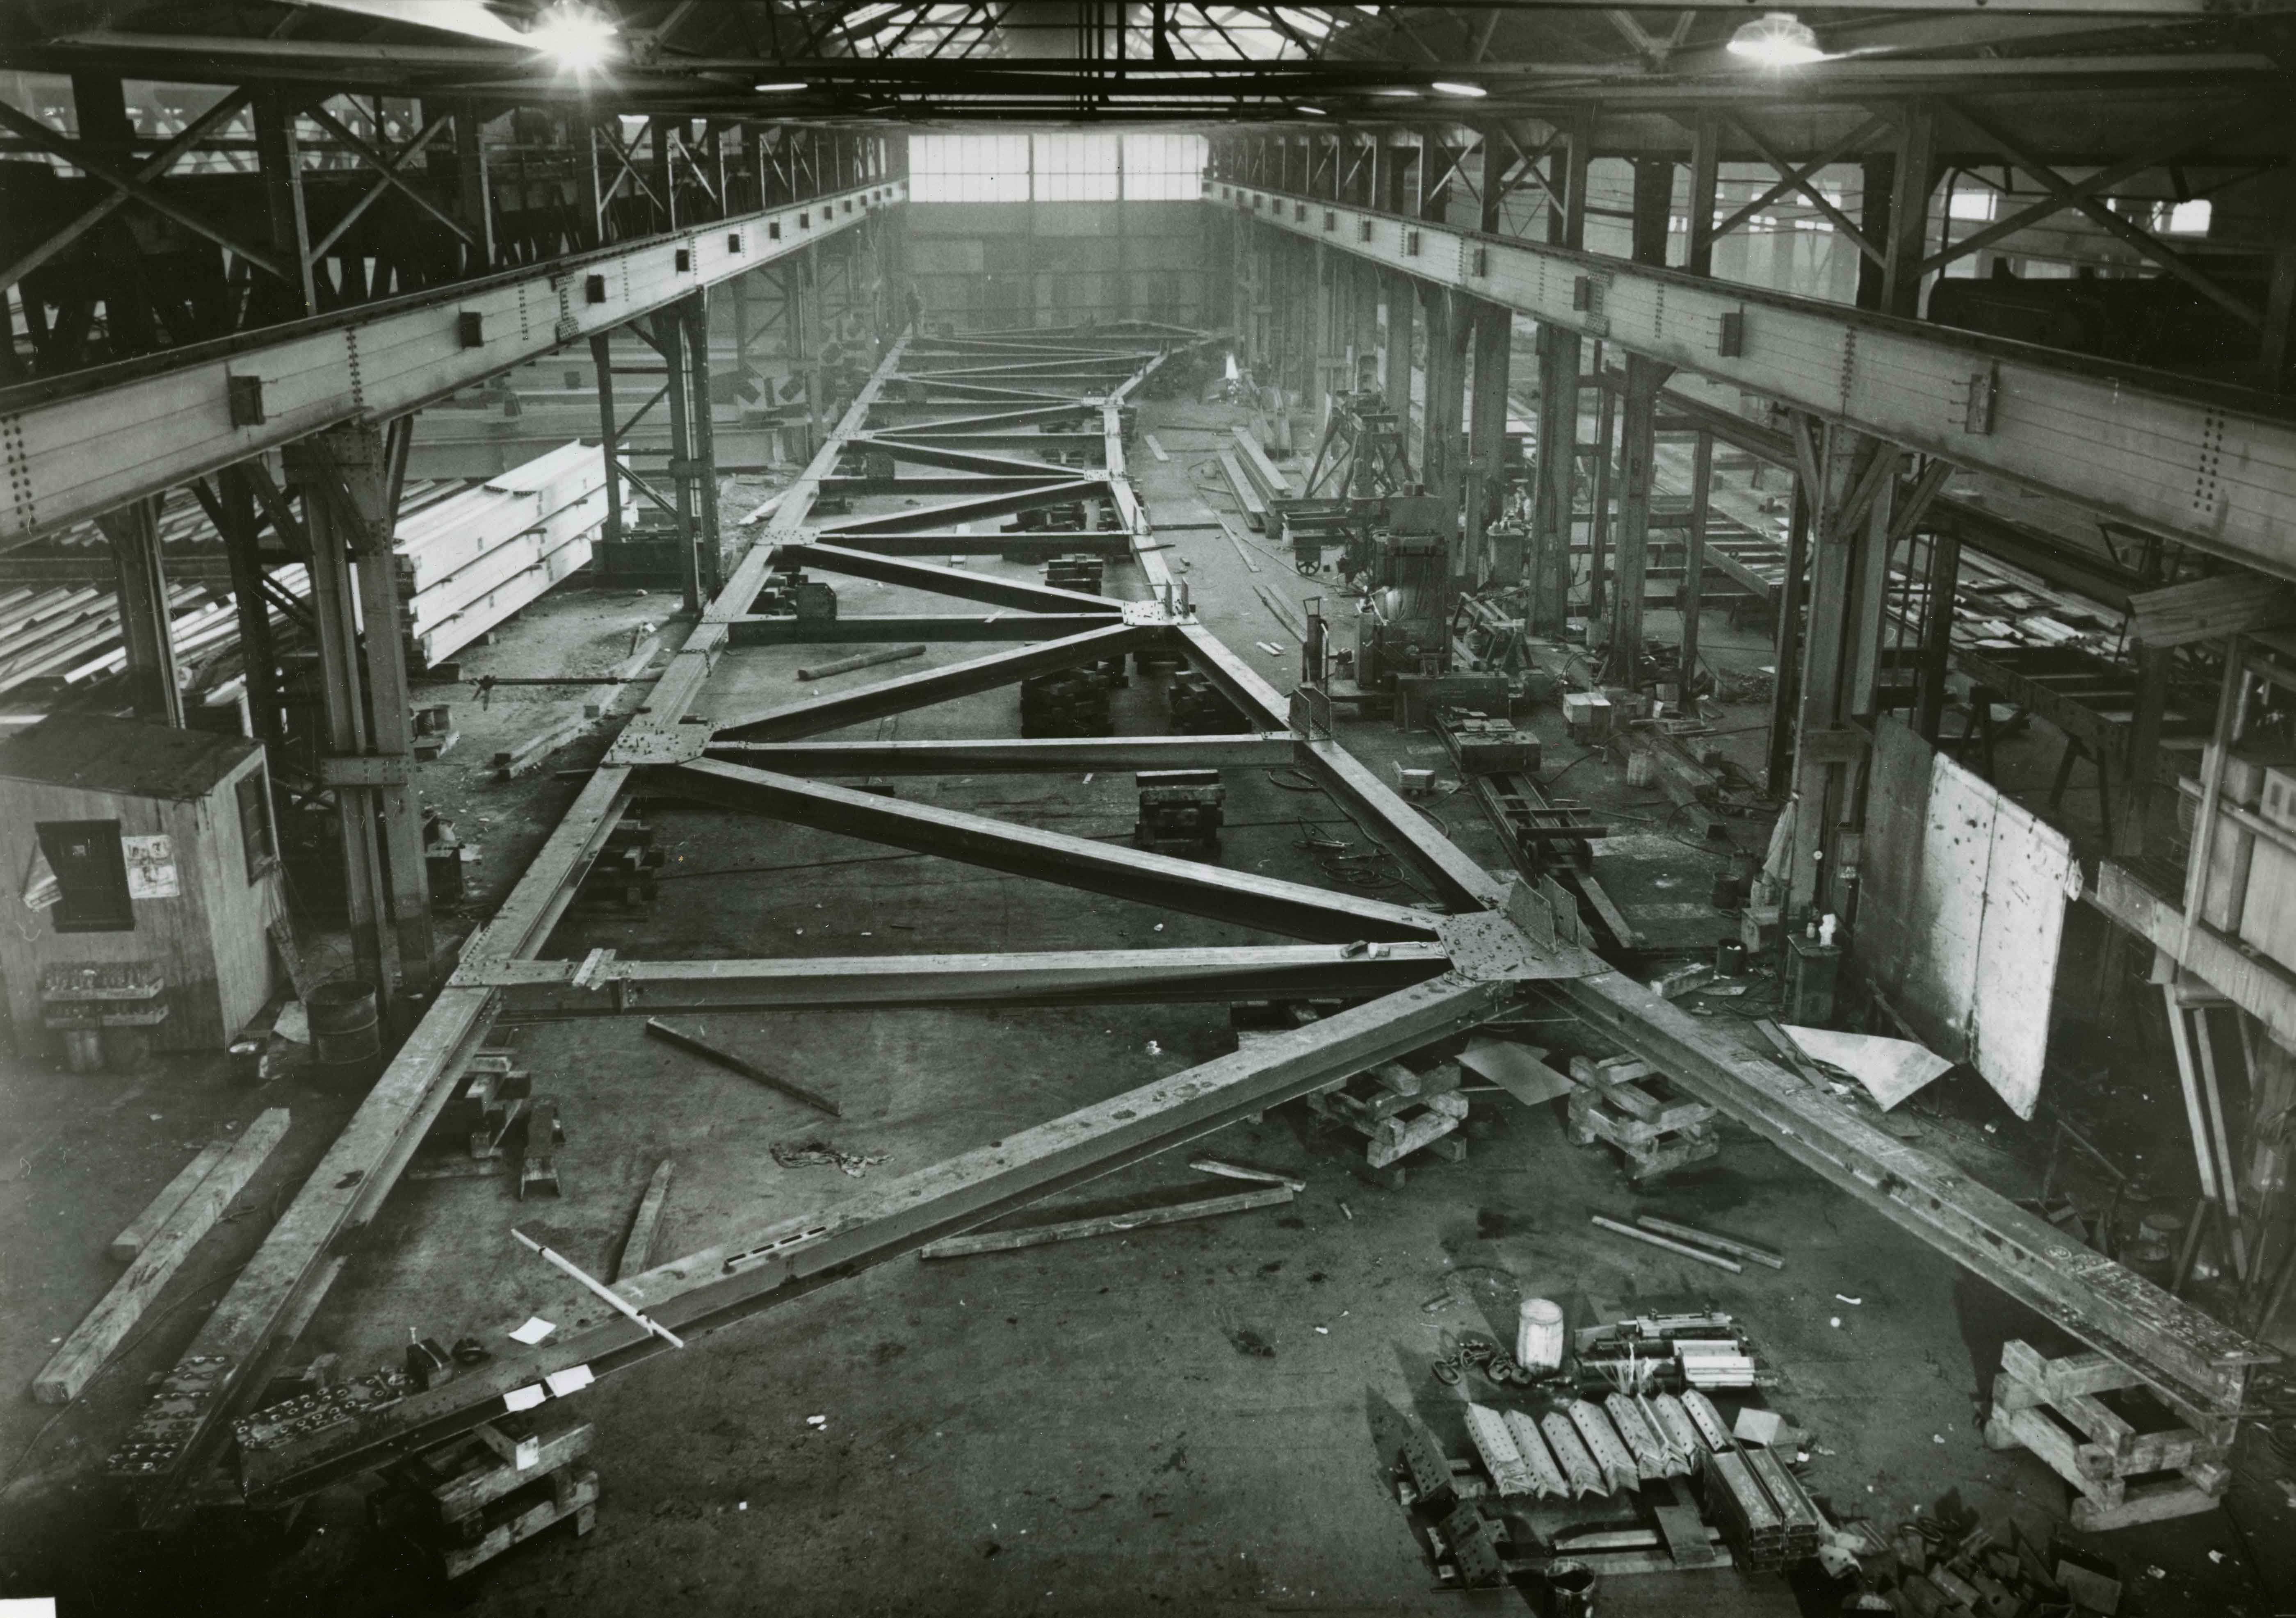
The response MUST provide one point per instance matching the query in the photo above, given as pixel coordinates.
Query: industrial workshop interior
(1098, 806)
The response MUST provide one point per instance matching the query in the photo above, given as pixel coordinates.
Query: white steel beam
(2210, 465)
(92, 442)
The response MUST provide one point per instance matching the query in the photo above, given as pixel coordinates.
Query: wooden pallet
(1629, 1104)
(2123, 1471)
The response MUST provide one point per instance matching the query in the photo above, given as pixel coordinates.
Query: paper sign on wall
(151, 867)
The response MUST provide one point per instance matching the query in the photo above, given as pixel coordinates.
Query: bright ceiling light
(779, 89)
(1448, 88)
(578, 37)
(1315, 111)
(1396, 90)
(1776, 39)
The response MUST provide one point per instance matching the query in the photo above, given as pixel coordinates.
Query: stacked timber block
(1179, 813)
(624, 874)
(1198, 709)
(1066, 702)
(2089, 1418)
(1630, 1105)
(1112, 670)
(794, 595)
(469, 1502)
(1399, 1110)
(1075, 573)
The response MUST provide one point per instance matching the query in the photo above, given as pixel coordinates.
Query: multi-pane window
(969, 168)
(1055, 168)
(1164, 168)
(1076, 167)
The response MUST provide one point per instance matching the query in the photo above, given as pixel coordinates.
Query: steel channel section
(125, 431)
(256, 1323)
(2210, 465)
(710, 1290)
(549, 989)
(2196, 1362)
(878, 627)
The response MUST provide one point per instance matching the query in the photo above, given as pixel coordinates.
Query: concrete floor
(1087, 1427)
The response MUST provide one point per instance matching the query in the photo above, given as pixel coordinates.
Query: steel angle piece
(1674, 1425)
(1546, 1476)
(1496, 1446)
(1707, 1419)
(1603, 1444)
(1642, 1440)
(1571, 1449)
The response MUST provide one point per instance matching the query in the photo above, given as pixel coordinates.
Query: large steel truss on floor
(1495, 946)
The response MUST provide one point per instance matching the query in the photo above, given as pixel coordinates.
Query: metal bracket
(366, 770)
(651, 741)
(1151, 615)
(1485, 946)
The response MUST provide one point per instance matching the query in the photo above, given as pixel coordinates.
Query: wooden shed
(127, 843)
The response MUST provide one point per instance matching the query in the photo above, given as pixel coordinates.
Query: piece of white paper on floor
(1891, 1069)
(535, 1330)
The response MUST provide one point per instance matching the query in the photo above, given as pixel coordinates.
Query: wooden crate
(2123, 1471)
(1629, 1104)
(1399, 1111)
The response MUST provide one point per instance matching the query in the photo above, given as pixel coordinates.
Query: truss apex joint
(655, 742)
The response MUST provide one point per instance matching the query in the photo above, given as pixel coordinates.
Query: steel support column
(146, 629)
(1636, 468)
(1493, 328)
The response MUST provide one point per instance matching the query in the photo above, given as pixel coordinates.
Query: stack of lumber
(1259, 468)
(469, 554)
(71, 633)
(467, 562)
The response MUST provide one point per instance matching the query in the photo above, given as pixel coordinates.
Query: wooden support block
(131, 1241)
(2145, 1503)
(527, 755)
(464, 1478)
(1398, 1138)
(83, 1353)
(580, 1495)
(521, 1454)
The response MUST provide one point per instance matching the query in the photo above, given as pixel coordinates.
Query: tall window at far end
(1164, 168)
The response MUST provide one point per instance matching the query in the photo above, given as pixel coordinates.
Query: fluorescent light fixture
(1398, 90)
(1776, 39)
(578, 37)
(1448, 88)
(1311, 111)
(780, 89)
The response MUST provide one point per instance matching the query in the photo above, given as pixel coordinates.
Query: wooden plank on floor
(637, 1249)
(72, 1366)
(162, 1208)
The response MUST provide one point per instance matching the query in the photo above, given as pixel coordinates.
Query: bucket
(1730, 894)
(343, 1029)
(1569, 1590)
(1538, 1335)
(1729, 957)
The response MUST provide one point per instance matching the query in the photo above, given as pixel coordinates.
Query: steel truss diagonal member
(719, 1286)
(800, 719)
(1058, 756)
(1291, 908)
(964, 584)
(1050, 977)
(1002, 504)
(863, 629)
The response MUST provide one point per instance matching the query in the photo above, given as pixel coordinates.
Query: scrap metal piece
(1571, 1449)
(1474, 1542)
(1546, 1476)
(1642, 1440)
(1430, 1474)
(1602, 1443)
(1673, 1422)
(1708, 1420)
(1501, 1459)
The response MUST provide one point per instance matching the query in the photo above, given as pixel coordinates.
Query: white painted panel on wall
(1961, 912)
